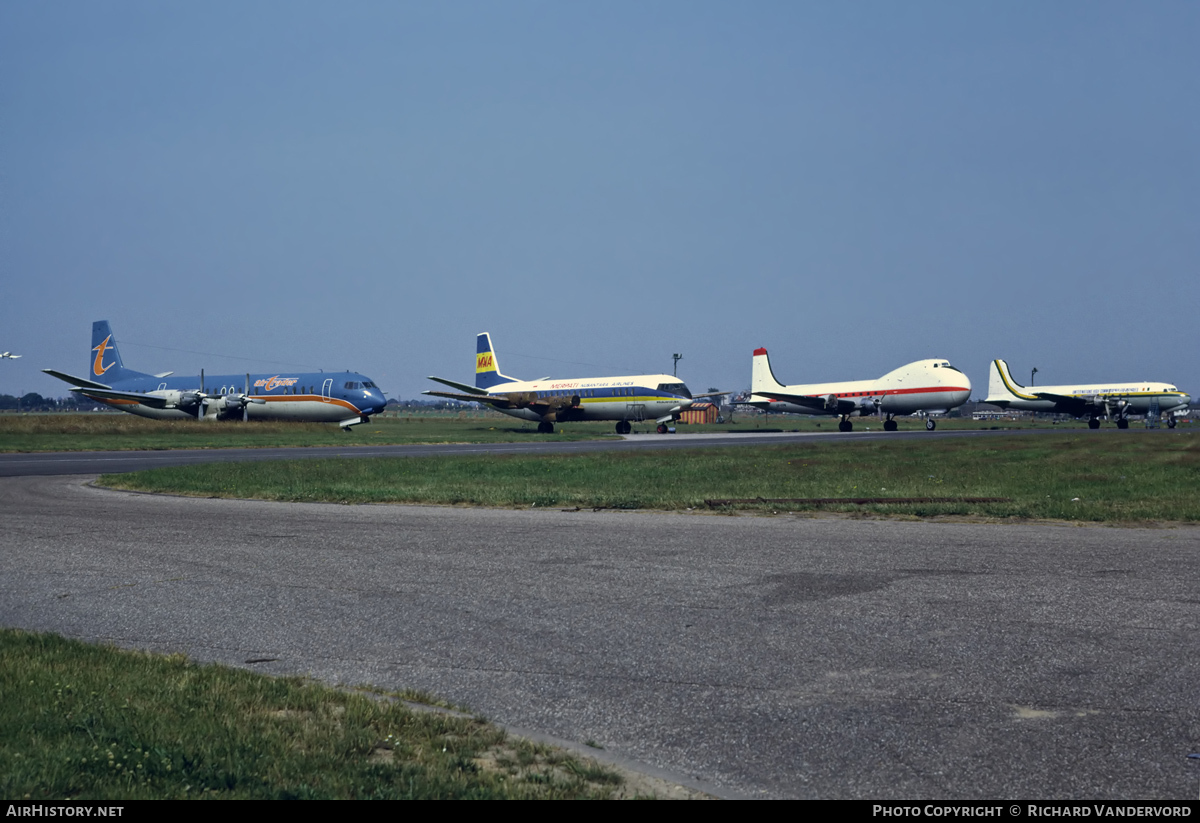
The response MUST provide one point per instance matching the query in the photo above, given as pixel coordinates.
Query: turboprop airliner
(1115, 401)
(344, 398)
(922, 386)
(657, 397)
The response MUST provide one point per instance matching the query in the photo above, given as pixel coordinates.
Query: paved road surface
(770, 656)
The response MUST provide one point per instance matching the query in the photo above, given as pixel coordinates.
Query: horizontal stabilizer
(76, 381)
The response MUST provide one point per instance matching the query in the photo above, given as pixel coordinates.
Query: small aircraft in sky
(9, 355)
(658, 397)
(324, 397)
(921, 386)
(1114, 401)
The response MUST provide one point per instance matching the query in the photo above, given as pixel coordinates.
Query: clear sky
(270, 186)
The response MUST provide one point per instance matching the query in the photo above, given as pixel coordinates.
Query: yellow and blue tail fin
(487, 370)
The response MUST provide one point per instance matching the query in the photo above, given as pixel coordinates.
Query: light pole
(675, 365)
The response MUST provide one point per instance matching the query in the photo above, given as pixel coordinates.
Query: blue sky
(268, 186)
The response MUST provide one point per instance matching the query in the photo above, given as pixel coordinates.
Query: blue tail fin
(105, 362)
(487, 370)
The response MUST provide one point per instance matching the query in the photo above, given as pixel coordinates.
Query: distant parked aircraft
(658, 397)
(324, 397)
(1115, 401)
(9, 355)
(922, 386)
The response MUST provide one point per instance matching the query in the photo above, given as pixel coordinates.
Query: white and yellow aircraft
(9, 355)
(1115, 401)
(922, 386)
(657, 397)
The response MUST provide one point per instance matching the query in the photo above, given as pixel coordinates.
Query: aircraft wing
(818, 403)
(152, 400)
(498, 400)
(1067, 401)
(460, 386)
(76, 381)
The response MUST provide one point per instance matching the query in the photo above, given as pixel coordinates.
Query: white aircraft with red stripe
(923, 386)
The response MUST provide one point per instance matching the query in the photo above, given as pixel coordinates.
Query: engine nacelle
(179, 399)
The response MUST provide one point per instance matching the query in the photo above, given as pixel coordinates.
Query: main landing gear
(624, 427)
(545, 428)
(844, 425)
(1093, 422)
(663, 428)
(1170, 421)
(1122, 423)
(889, 425)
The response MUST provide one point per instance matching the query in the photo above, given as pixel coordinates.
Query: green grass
(1125, 477)
(91, 722)
(109, 431)
(119, 432)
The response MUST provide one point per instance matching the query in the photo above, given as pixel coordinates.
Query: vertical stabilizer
(761, 376)
(1002, 387)
(105, 362)
(487, 370)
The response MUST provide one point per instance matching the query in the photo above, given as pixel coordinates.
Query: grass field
(119, 432)
(84, 722)
(1125, 477)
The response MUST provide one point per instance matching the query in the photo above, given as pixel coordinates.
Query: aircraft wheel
(662, 428)
(889, 425)
(624, 427)
(1122, 423)
(930, 424)
(1093, 423)
(845, 426)
(545, 428)
(1171, 421)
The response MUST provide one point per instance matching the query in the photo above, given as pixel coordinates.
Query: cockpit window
(948, 366)
(679, 389)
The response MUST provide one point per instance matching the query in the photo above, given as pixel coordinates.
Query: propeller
(202, 408)
(227, 403)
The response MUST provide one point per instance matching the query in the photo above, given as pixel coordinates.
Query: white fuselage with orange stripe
(924, 385)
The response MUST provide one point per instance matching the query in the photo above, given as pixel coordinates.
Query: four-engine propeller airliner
(1114, 401)
(658, 397)
(325, 397)
(922, 386)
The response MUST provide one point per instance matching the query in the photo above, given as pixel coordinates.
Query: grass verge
(1127, 477)
(120, 432)
(92, 722)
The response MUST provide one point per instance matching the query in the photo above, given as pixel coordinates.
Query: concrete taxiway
(766, 656)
